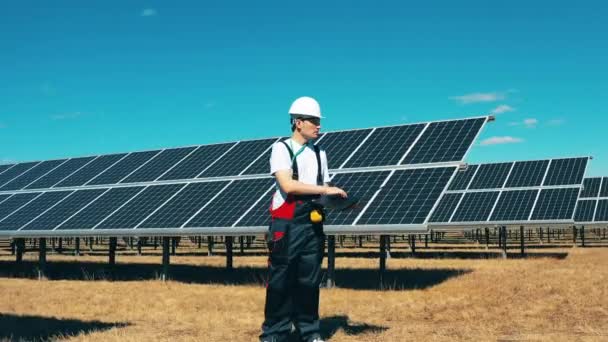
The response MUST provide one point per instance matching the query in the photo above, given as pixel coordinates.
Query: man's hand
(333, 190)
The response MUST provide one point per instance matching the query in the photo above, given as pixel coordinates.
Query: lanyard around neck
(295, 155)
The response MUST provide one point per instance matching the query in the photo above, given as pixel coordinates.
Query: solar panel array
(512, 193)
(398, 172)
(592, 206)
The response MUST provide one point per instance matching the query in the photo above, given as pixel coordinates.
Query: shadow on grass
(357, 279)
(36, 328)
(331, 325)
(427, 254)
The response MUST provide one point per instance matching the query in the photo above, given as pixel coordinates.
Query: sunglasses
(314, 121)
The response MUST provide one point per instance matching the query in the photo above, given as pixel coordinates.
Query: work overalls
(296, 246)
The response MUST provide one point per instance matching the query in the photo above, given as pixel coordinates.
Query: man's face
(309, 127)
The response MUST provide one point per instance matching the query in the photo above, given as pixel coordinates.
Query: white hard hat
(305, 106)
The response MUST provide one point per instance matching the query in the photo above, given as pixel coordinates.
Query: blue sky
(92, 77)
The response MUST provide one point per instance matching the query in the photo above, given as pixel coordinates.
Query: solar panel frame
(491, 176)
(554, 177)
(548, 197)
(509, 199)
(446, 207)
(32, 175)
(198, 162)
(17, 170)
(604, 187)
(124, 168)
(591, 187)
(60, 173)
(358, 228)
(158, 165)
(601, 212)
(239, 158)
(5, 167)
(94, 168)
(29, 212)
(521, 172)
(585, 210)
(463, 178)
(475, 206)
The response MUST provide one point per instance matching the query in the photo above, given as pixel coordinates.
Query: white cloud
(502, 109)
(66, 116)
(501, 140)
(149, 12)
(556, 122)
(478, 97)
(7, 161)
(527, 123)
(530, 123)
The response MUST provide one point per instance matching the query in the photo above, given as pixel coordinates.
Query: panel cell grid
(235, 161)
(445, 208)
(527, 173)
(567, 171)
(259, 215)
(141, 206)
(514, 205)
(556, 204)
(262, 165)
(59, 173)
(475, 207)
(361, 185)
(5, 167)
(15, 171)
(195, 163)
(31, 175)
(185, 204)
(34, 208)
(601, 213)
(463, 178)
(64, 210)
(491, 176)
(90, 216)
(159, 165)
(91, 170)
(340, 145)
(591, 187)
(9, 205)
(232, 203)
(408, 197)
(585, 210)
(445, 141)
(386, 146)
(3, 198)
(604, 189)
(124, 167)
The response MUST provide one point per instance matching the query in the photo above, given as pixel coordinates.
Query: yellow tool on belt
(316, 216)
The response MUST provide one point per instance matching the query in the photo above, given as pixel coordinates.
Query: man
(296, 240)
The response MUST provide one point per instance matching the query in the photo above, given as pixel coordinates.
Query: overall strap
(294, 162)
(319, 168)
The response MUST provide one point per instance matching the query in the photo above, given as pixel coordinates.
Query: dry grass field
(558, 295)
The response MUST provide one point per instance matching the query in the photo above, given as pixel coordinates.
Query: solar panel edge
(17, 174)
(30, 182)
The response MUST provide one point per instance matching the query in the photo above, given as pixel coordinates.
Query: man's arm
(295, 187)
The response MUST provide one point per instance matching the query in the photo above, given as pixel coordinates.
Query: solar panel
(15, 171)
(591, 187)
(261, 166)
(445, 141)
(601, 213)
(4, 198)
(15, 202)
(408, 197)
(231, 204)
(566, 171)
(62, 211)
(5, 167)
(555, 204)
(101, 208)
(195, 163)
(491, 176)
(527, 173)
(475, 206)
(463, 178)
(259, 215)
(385, 146)
(340, 145)
(90, 170)
(514, 205)
(31, 175)
(604, 188)
(34, 208)
(159, 165)
(446, 207)
(61, 172)
(140, 207)
(235, 161)
(585, 210)
(123, 168)
(184, 205)
(362, 185)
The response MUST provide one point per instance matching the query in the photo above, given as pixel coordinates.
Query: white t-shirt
(307, 166)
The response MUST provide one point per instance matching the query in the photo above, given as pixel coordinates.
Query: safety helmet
(305, 106)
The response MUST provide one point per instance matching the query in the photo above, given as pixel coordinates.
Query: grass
(559, 295)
